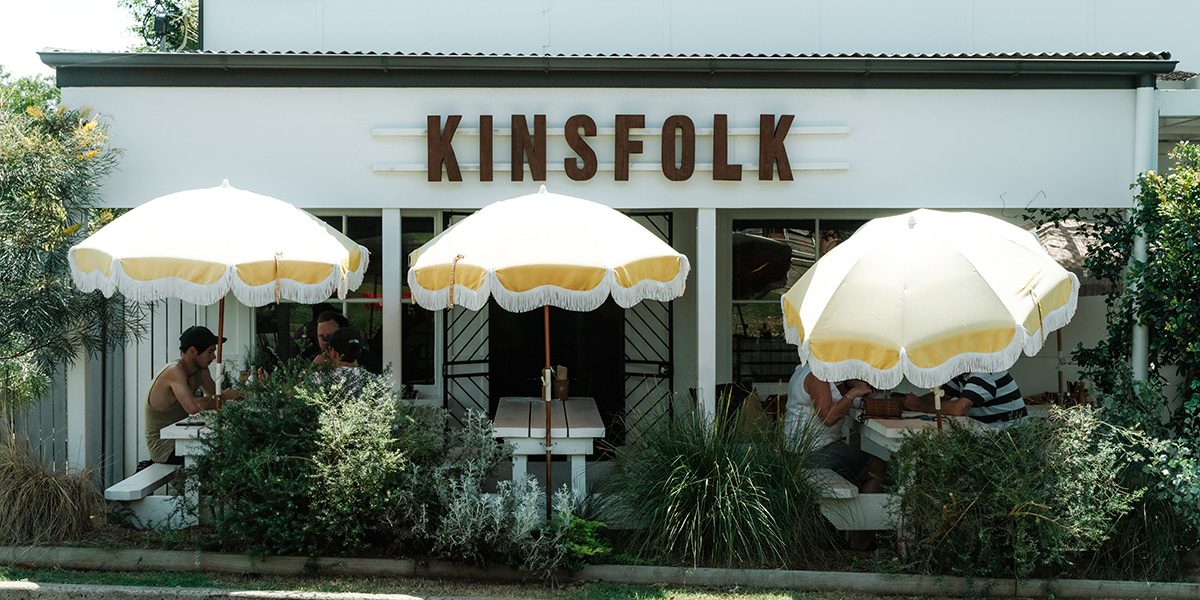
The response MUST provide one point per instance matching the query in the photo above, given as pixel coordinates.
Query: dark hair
(198, 337)
(347, 341)
(333, 315)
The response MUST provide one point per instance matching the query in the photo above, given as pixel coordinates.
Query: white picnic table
(881, 437)
(575, 423)
(137, 490)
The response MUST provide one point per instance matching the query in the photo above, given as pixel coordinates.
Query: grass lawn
(415, 587)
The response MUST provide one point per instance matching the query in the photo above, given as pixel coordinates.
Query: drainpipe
(1145, 158)
(706, 312)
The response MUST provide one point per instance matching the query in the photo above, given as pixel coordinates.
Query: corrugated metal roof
(960, 55)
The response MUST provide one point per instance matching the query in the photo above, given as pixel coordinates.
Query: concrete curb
(870, 583)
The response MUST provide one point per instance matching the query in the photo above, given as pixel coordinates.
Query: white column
(77, 421)
(706, 311)
(393, 277)
(1145, 157)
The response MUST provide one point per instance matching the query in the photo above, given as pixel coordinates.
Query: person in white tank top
(822, 406)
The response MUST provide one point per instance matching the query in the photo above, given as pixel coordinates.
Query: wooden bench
(141, 484)
(849, 510)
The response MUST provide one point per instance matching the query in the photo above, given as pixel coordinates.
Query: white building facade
(727, 130)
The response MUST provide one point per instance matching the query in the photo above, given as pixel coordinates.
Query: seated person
(992, 398)
(344, 347)
(173, 396)
(822, 406)
(329, 322)
(308, 331)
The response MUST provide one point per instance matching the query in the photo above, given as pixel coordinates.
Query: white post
(393, 278)
(1145, 157)
(77, 421)
(706, 311)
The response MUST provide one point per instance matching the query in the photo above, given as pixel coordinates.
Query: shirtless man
(173, 394)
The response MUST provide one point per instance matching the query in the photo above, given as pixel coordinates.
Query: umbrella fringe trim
(552, 295)
(989, 362)
(137, 290)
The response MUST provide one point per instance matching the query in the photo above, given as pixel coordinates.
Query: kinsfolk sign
(678, 136)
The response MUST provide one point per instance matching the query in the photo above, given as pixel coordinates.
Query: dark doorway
(590, 344)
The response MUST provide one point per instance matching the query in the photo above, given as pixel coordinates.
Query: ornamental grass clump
(40, 505)
(710, 493)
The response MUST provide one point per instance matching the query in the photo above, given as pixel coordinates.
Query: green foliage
(183, 17)
(301, 467)
(584, 544)
(1159, 293)
(313, 464)
(700, 494)
(52, 159)
(1030, 500)
(36, 91)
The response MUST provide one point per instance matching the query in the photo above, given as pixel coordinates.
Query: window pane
(760, 352)
(416, 231)
(368, 231)
(770, 256)
(834, 232)
(417, 346)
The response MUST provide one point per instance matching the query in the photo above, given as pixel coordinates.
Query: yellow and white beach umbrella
(199, 245)
(542, 250)
(545, 250)
(926, 296)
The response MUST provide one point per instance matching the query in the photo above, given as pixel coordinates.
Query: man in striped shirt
(992, 398)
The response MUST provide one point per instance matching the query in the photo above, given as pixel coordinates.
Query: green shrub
(1030, 500)
(584, 544)
(700, 494)
(307, 464)
(302, 466)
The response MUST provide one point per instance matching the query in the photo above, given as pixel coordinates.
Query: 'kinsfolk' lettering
(529, 148)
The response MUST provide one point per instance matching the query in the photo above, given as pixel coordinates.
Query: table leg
(192, 496)
(579, 475)
(519, 466)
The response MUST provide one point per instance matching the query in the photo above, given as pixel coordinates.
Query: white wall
(984, 149)
(706, 26)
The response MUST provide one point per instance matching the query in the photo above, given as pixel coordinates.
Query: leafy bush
(1030, 500)
(309, 464)
(701, 495)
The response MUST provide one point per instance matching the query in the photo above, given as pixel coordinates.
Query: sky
(28, 26)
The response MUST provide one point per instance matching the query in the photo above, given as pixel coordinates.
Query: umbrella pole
(220, 336)
(546, 400)
(937, 405)
(1058, 338)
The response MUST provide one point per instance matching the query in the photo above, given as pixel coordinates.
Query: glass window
(417, 324)
(288, 329)
(769, 257)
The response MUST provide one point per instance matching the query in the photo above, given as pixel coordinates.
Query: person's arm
(956, 406)
(210, 388)
(828, 411)
(176, 379)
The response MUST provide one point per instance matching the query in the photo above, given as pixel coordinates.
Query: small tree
(52, 159)
(1159, 293)
(182, 21)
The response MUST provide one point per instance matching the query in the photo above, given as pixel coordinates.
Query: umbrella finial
(542, 190)
(224, 183)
